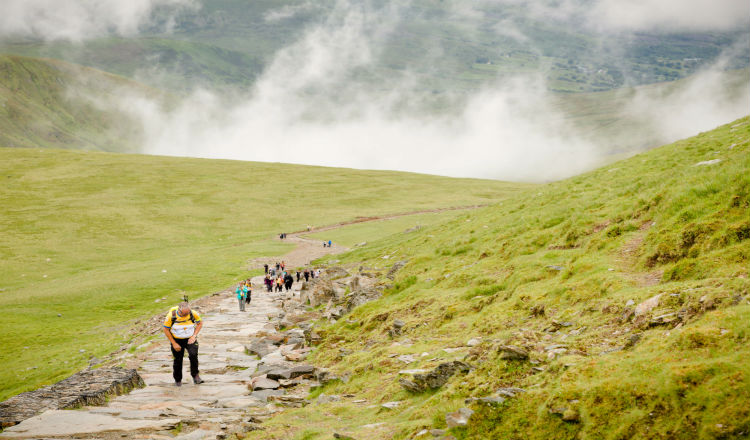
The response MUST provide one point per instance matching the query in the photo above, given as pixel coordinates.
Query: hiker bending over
(181, 326)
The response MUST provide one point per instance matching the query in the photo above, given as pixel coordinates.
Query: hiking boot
(197, 379)
(178, 384)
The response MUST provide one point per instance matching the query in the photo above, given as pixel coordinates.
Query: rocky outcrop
(391, 275)
(89, 387)
(435, 378)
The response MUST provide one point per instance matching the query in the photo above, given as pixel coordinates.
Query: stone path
(161, 410)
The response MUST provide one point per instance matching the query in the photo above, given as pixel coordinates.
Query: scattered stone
(707, 162)
(509, 391)
(277, 374)
(458, 418)
(485, 400)
(436, 378)
(259, 348)
(511, 352)
(391, 405)
(391, 275)
(264, 383)
(263, 395)
(289, 401)
(342, 436)
(323, 399)
(630, 303)
(554, 267)
(301, 370)
(473, 342)
(406, 358)
(647, 306)
(570, 415)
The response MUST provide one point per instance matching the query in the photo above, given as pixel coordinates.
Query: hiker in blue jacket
(241, 292)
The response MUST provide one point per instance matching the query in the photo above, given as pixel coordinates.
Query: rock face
(90, 387)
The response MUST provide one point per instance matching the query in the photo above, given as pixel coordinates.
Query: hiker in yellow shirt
(182, 325)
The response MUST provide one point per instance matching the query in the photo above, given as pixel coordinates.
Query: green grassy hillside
(48, 103)
(98, 237)
(558, 270)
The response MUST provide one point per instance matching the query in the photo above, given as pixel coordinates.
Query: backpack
(174, 317)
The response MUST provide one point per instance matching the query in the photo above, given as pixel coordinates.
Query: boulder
(301, 370)
(264, 383)
(458, 418)
(279, 373)
(336, 272)
(511, 352)
(435, 378)
(259, 348)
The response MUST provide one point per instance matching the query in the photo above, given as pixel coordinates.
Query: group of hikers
(182, 324)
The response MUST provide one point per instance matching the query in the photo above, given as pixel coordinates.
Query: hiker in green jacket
(241, 292)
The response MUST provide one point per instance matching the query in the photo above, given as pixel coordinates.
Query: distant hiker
(283, 265)
(241, 292)
(269, 284)
(312, 273)
(325, 244)
(279, 284)
(272, 272)
(249, 294)
(306, 274)
(329, 243)
(278, 266)
(265, 267)
(288, 281)
(298, 274)
(181, 326)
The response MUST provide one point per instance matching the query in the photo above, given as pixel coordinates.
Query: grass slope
(564, 264)
(44, 103)
(98, 237)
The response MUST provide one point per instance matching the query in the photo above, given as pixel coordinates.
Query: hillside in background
(98, 237)
(441, 46)
(54, 104)
(622, 292)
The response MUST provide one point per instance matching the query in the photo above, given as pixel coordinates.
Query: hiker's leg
(177, 363)
(192, 350)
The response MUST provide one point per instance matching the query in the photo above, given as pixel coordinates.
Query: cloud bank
(77, 20)
(306, 109)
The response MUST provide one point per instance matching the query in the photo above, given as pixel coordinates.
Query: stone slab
(67, 423)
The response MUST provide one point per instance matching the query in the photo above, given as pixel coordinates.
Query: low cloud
(77, 20)
(670, 15)
(312, 106)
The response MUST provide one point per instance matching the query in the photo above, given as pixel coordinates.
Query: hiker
(278, 266)
(181, 326)
(298, 274)
(241, 292)
(330, 243)
(279, 284)
(249, 294)
(306, 274)
(267, 281)
(265, 267)
(283, 265)
(325, 244)
(272, 272)
(288, 281)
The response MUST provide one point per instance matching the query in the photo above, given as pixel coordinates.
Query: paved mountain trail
(218, 407)
(207, 410)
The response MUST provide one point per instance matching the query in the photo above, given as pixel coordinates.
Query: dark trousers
(192, 350)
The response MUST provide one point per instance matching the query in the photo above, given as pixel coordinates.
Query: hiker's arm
(198, 328)
(171, 339)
